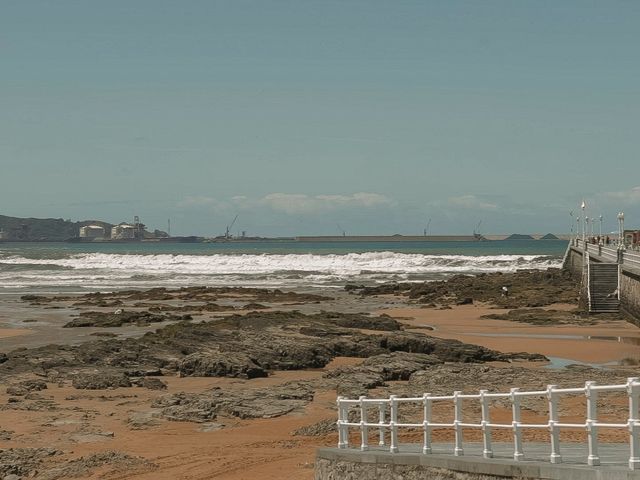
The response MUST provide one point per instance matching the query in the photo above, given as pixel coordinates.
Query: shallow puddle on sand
(557, 363)
(627, 340)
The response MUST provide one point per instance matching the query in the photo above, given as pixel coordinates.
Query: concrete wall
(389, 238)
(337, 464)
(629, 284)
(342, 470)
(630, 293)
(573, 263)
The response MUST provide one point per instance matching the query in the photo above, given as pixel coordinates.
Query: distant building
(123, 231)
(632, 237)
(92, 231)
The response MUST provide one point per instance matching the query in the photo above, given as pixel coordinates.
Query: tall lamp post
(577, 229)
(571, 223)
(621, 231)
(584, 219)
(586, 228)
(600, 217)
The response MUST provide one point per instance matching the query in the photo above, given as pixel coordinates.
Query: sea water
(83, 267)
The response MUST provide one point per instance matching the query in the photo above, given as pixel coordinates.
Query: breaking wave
(103, 270)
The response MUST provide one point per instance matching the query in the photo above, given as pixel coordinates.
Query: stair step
(603, 282)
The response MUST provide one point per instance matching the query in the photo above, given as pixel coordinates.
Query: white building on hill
(92, 231)
(123, 232)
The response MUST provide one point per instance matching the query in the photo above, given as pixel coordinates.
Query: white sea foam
(352, 264)
(102, 271)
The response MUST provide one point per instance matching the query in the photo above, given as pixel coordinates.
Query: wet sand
(464, 323)
(14, 332)
(244, 449)
(85, 422)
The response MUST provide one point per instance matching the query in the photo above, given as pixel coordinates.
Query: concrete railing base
(352, 464)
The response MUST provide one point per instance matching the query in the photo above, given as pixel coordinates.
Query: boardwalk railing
(389, 423)
(630, 257)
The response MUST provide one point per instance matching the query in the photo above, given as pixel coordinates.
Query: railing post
(517, 432)
(552, 397)
(457, 409)
(426, 448)
(633, 391)
(487, 452)
(364, 430)
(393, 448)
(592, 417)
(343, 430)
(381, 422)
(619, 281)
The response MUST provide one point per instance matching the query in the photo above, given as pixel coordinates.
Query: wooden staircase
(603, 285)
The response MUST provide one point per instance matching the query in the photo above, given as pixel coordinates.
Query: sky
(321, 117)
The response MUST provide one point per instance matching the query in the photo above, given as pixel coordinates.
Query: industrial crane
(229, 227)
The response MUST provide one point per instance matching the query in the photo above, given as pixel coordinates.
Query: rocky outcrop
(120, 318)
(245, 346)
(540, 316)
(259, 403)
(375, 371)
(219, 364)
(533, 288)
(100, 381)
(26, 386)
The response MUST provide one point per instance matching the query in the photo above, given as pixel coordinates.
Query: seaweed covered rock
(251, 403)
(100, 381)
(120, 318)
(527, 288)
(220, 364)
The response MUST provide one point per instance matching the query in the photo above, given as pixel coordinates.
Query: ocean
(67, 267)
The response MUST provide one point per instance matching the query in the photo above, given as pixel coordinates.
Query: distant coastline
(16, 229)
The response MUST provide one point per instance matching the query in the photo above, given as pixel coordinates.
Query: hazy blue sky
(302, 115)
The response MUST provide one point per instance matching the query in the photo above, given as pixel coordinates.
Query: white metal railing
(552, 394)
(588, 279)
(630, 257)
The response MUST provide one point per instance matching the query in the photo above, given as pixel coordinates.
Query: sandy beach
(14, 332)
(60, 420)
(598, 344)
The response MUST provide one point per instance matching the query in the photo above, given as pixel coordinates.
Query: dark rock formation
(100, 381)
(26, 386)
(539, 316)
(245, 346)
(120, 318)
(375, 371)
(259, 403)
(219, 364)
(533, 288)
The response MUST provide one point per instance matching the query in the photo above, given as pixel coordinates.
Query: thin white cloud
(295, 203)
(471, 202)
(291, 203)
(631, 196)
(199, 201)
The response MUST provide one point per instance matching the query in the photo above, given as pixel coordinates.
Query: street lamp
(621, 231)
(586, 228)
(577, 229)
(600, 217)
(571, 227)
(584, 234)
